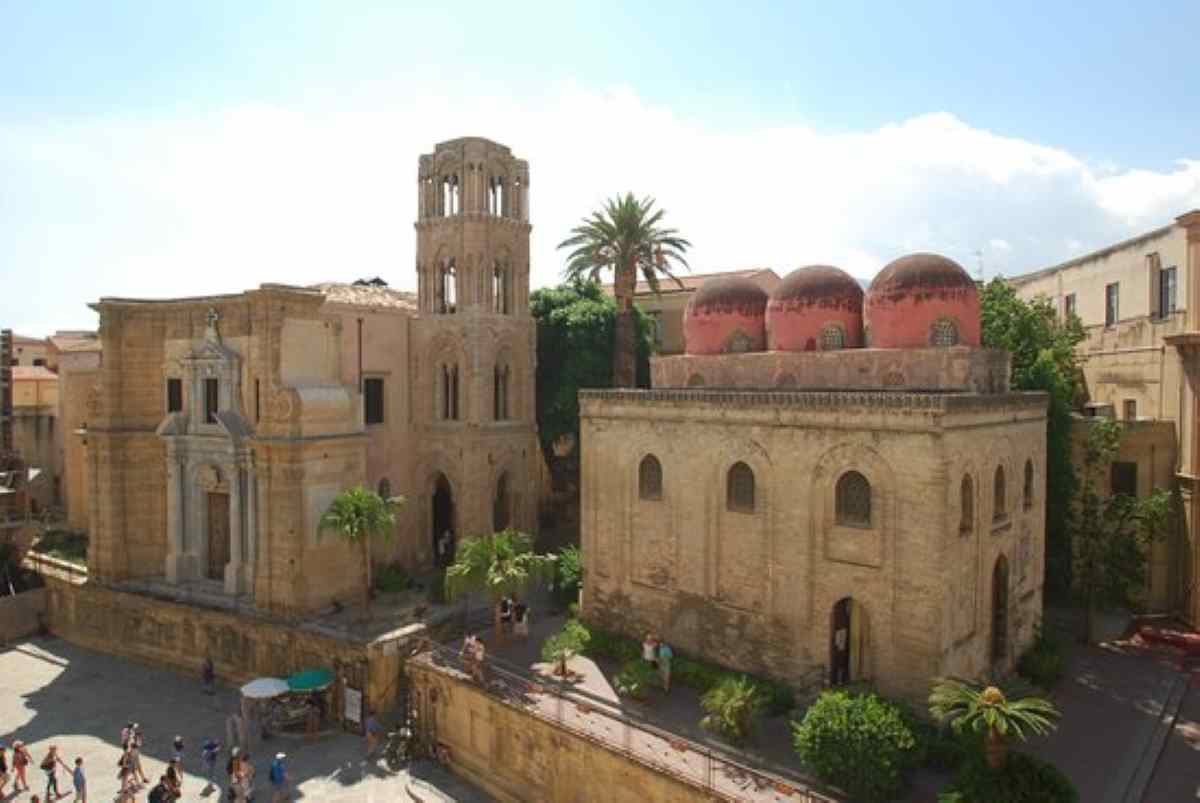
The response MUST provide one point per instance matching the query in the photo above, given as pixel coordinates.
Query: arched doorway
(442, 532)
(1000, 610)
(847, 642)
(501, 507)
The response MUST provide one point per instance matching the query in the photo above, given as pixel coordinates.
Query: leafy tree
(499, 565)
(565, 645)
(569, 573)
(575, 324)
(626, 237)
(359, 515)
(733, 706)
(1112, 532)
(990, 710)
(1043, 358)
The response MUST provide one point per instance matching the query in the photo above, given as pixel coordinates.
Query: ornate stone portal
(211, 511)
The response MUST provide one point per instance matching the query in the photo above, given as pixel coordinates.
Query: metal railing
(604, 722)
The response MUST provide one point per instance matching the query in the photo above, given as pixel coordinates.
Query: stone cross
(211, 318)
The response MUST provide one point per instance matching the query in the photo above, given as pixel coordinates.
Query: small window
(1123, 477)
(943, 333)
(833, 338)
(1131, 409)
(1166, 292)
(853, 500)
(385, 488)
(1112, 304)
(966, 521)
(373, 400)
(650, 478)
(212, 394)
(739, 493)
(1069, 306)
(174, 395)
(999, 494)
(39, 361)
(1027, 496)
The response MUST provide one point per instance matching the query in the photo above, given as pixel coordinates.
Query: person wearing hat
(21, 759)
(279, 778)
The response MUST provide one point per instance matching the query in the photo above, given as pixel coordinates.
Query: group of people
(22, 758)
(659, 655)
(514, 615)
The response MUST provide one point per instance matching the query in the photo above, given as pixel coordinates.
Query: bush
(858, 742)
(1022, 779)
(942, 749)
(567, 575)
(733, 707)
(1044, 662)
(67, 545)
(565, 645)
(695, 675)
(634, 679)
(619, 648)
(391, 579)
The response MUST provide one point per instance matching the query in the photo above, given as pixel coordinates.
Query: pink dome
(817, 308)
(726, 315)
(920, 301)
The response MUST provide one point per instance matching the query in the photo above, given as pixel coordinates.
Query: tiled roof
(32, 372)
(365, 295)
(75, 343)
(690, 281)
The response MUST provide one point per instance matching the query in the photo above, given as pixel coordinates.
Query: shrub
(67, 545)
(1044, 662)
(565, 644)
(1022, 779)
(941, 748)
(858, 742)
(733, 707)
(695, 675)
(634, 679)
(391, 579)
(619, 648)
(567, 575)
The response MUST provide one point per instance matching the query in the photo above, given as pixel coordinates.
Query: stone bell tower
(474, 342)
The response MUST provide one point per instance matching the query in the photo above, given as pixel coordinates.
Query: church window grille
(833, 338)
(740, 489)
(852, 500)
(943, 333)
(650, 479)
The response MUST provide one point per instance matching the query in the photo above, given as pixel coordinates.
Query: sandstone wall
(20, 614)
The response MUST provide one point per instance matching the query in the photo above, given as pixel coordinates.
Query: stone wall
(516, 756)
(243, 645)
(20, 614)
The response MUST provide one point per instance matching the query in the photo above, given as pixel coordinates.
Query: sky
(170, 149)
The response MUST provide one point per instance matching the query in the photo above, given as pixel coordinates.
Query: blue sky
(164, 149)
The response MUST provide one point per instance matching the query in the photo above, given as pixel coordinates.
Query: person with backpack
(160, 793)
(50, 766)
(208, 759)
(279, 778)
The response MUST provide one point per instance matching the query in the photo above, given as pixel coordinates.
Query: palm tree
(499, 564)
(999, 715)
(359, 515)
(625, 237)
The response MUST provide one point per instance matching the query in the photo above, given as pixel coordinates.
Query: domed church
(828, 486)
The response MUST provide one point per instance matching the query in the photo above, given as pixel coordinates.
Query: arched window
(496, 196)
(445, 287)
(966, 522)
(385, 488)
(451, 199)
(852, 500)
(739, 492)
(501, 514)
(1027, 497)
(500, 392)
(448, 390)
(999, 494)
(833, 338)
(944, 332)
(650, 479)
(500, 290)
(1000, 609)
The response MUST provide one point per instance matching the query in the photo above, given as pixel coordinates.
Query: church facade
(787, 502)
(221, 427)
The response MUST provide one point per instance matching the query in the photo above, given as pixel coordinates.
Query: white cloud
(177, 206)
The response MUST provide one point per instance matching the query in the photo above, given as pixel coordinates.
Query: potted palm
(998, 713)
(358, 516)
(498, 565)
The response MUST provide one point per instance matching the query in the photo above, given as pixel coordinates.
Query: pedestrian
(21, 760)
(279, 778)
(177, 756)
(174, 780)
(650, 650)
(520, 617)
(208, 759)
(246, 779)
(665, 654)
(506, 614)
(233, 768)
(79, 781)
(3, 771)
(159, 794)
(137, 740)
(208, 675)
(50, 765)
(126, 732)
(125, 772)
(373, 729)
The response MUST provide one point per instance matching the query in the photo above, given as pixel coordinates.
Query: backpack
(158, 794)
(47, 763)
(276, 772)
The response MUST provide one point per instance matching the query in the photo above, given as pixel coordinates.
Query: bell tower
(474, 343)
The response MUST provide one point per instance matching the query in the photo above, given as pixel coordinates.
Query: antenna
(979, 256)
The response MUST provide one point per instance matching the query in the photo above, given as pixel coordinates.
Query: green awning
(310, 680)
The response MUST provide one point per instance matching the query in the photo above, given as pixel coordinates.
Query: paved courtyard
(56, 693)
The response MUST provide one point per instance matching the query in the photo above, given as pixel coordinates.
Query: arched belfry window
(852, 500)
(445, 287)
(500, 288)
(451, 195)
(833, 338)
(739, 491)
(999, 494)
(1027, 496)
(650, 478)
(496, 196)
(500, 392)
(448, 390)
(966, 521)
(943, 333)
(501, 505)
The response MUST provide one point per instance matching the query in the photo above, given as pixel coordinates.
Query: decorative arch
(999, 494)
(449, 401)
(863, 546)
(1027, 488)
(740, 488)
(852, 500)
(999, 646)
(966, 504)
(650, 479)
(833, 337)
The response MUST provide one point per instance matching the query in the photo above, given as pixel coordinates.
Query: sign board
(352, 705)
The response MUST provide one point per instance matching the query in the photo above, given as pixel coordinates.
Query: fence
(601, 720)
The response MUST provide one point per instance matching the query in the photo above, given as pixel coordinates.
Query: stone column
(251, 532)
(233, 569)
(175, 519)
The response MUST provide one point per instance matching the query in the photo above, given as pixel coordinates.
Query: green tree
(575, 324)
(1043, 346)
(626, 237)
(498, 565)
(358, 516)
(565, 645)
(1112, 532)
(1000, 714)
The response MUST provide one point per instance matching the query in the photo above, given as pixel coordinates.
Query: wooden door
(218, 535)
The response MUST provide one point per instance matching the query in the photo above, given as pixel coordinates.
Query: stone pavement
(56, 693)
(1177, 776)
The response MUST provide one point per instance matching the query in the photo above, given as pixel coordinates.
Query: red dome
(727, 314)
(919, 301)
(817, 308)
